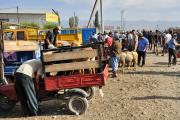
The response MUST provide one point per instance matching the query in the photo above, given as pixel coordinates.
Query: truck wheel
(77, 104)
(6, 104)
(90, 91)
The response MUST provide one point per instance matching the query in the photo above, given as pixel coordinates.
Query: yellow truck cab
(20, 34)
(24, 39)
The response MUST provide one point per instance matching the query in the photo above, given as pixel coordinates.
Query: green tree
(5, 26)
(29, 24)
(76, 21)
(96, 22)
(49, 26)
(71, 22)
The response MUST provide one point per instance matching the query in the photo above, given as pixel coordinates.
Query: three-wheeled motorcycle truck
(63, 78)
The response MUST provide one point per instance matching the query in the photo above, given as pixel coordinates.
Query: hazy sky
(152, 10)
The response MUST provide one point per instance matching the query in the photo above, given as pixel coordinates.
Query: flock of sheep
(128, 59)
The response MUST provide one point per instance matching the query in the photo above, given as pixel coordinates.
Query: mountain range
(129, 25)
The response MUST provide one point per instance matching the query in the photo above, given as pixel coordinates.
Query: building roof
(24, 11)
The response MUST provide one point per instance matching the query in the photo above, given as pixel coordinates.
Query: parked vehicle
(29, 34)
(68, 84)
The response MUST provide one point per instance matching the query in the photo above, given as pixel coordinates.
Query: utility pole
(122, 19)
(74, 19)
(59, 21)
(17, 14)
(92, 13)
(57, 13)
(101, 11)
(124, 23)
(157, 27)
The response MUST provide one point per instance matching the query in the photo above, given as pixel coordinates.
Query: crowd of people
(139, 41)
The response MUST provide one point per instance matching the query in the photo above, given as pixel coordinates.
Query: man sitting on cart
(25, 88)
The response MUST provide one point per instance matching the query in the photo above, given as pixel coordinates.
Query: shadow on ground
(155, 73)
(48, 108)
(161, 63)
(155, 97)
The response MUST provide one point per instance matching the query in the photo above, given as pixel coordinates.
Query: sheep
(135, 59)
(129, 59)
(122, 62)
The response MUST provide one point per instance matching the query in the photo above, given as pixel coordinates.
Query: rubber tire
(6, 105)
(83, 104)
(90, 91)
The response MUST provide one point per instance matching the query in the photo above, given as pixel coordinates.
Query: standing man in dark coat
(115, 51)
(55, 33)
(48, 39)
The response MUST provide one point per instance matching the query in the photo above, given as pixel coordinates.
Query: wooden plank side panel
(19, 42)
(72, 66)
(50, 56)
(20, 48)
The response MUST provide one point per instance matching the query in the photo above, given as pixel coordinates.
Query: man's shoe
(169, 65)
(114, 74)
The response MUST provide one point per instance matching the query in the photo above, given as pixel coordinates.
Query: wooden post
(1, 52)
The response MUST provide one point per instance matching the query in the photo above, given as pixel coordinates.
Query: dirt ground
(149, 93)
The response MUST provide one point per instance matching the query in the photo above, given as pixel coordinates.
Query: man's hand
(37, 83)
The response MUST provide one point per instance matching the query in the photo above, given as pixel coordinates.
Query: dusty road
(150, 93)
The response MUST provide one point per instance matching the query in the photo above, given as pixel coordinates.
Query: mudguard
(76, 91)
(9, 91)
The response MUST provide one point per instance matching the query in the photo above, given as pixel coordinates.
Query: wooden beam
(71, 66)
(50, 56)
(20, 46)
(19, 42)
